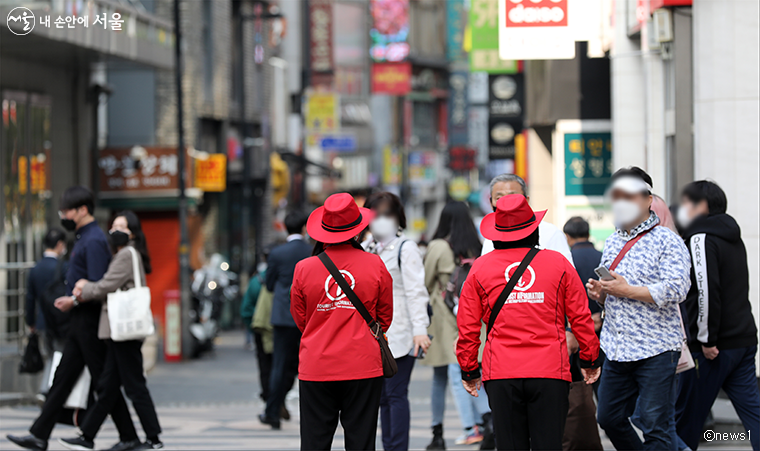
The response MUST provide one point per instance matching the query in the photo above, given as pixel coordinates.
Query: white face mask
(625, 213)
(383, 228)
(683, 216)
(261, 267)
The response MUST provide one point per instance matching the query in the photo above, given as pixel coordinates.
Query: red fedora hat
(513, 219)
(338, 220)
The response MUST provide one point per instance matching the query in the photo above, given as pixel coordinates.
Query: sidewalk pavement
(212, 403)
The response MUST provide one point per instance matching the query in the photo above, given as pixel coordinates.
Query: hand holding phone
(603, 273)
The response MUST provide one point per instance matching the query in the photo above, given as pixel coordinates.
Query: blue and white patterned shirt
(635, 330)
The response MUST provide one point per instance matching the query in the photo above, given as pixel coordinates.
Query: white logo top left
(24, 18)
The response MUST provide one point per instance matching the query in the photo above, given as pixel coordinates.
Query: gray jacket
(118, 277)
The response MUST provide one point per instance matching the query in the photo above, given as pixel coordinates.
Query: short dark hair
(78, 196)
(394, 203)
(632, 171)
(53, 237)
(576, 227)
(708, 191)
(294, 222)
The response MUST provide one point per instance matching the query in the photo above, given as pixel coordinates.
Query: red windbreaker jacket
(337, 343)
(528, 337)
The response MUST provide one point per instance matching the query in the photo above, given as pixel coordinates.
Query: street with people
(379, 224)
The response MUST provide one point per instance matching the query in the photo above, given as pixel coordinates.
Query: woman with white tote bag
(123, 286)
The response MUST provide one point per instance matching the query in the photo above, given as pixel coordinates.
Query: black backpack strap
(338, 277)
(510, 286)
(400, 245)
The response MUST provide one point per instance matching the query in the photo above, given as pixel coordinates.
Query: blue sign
(338, 143)
(456, 17)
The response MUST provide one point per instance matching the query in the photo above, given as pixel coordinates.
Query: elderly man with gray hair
(549, 235)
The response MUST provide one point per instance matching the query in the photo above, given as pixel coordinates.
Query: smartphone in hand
(603, 273)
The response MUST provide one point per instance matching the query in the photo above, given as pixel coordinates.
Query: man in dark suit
(44, 285)
(287, 338)
(586, 259)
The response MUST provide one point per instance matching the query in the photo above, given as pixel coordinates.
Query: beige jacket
(118, 277)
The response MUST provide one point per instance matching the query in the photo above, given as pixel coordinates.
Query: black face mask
(119, 238)
(68, 224)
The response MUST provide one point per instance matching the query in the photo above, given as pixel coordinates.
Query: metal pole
(184, 246)
(245, 215)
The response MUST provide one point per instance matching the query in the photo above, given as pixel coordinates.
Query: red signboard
(392, 78)
(536, 13)
(320, 34)
(657, 4)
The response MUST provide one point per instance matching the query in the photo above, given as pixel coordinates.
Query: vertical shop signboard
(506, 101)
(457, 109)
(390, 30)
(321, 60)
(455, 25)
(484, 39)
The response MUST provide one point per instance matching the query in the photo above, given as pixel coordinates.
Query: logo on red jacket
(333, 290)
(520, 294)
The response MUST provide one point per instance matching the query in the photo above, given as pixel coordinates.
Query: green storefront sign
(588, 163)
(484, 30)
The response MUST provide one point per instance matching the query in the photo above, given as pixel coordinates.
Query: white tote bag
(686, 361)
(129, 313)
(80, 393)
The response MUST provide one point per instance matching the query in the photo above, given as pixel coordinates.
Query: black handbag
(389, 363)
(32, 362)
(510, 286)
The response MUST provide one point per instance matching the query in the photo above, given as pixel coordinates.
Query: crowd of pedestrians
(540, 337)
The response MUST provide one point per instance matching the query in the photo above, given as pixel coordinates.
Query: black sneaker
(78, 443)
(264, 419)
(127, 445)
(29, 442)
(149, 444)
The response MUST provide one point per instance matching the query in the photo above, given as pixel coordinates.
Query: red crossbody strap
(627, 248)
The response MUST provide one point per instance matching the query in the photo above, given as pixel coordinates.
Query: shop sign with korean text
(588, 163)
(211, 173)
(456, 19)
(392, 78)
(457, 109)
(320, 34)
(483, 41)
(123, 172)
(322, 112)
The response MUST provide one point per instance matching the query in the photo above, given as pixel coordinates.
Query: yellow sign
(23, 170)
(391, 166)
(322, 112)
(459, 188)
(211, 173)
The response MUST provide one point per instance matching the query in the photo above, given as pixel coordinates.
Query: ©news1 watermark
(712, 436)
(24, 21)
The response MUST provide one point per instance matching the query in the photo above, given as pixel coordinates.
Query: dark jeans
(124, 366)
(82, 348)
(265, 366)
(528, 413)
(733, 371)
(394, 406)
(646, 387)
(287, 341)
(355, 403)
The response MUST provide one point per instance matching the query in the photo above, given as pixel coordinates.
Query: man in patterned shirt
(641, 335)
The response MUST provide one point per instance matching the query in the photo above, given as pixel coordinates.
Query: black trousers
(355, 403)
(265, 365)
(82, 348)
(287, 341)
(528, 413)
(124, 366)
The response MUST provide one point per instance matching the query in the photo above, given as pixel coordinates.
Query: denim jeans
(438, 393)
(733, 371)
(470, 408)
(646, 388)
(394, 406)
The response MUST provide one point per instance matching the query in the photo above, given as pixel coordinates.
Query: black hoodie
(718, 311)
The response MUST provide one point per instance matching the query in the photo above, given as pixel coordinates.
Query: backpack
(56, 321)
(453, 288)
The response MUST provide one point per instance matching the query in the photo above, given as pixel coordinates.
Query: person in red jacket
(525, 362)
(340, 368)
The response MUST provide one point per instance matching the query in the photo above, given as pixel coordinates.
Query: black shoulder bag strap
(338, 277)
(510, 286)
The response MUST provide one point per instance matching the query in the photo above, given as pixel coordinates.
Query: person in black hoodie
(718, 316)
